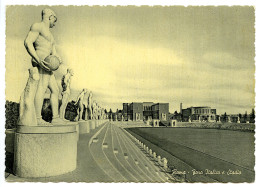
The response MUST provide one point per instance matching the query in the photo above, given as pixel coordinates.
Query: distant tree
(46, 110)
(181, 117)
(11, 114)
(71, 111)
(252, 116)
(245, 116)
(225, 117)
(240, 116)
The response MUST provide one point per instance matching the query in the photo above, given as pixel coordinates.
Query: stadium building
(202, 113)
(136, 111)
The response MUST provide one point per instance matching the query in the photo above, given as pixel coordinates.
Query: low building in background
(136, 111)
(161, 111)
(202, 113)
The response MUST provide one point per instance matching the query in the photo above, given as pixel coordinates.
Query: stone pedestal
(76, 124)
(84, 127)
(156, 122)
(92, 124)
(97, 123)
(44, 151)
(9, 140)
(173, 123)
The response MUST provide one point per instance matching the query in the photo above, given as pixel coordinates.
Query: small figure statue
(165, 163)
(90, 105)
(79, 101)
(87, 110)
(98, 112)
(159, 159)
(94, 109)
(102, 113)
(238, 119)
(65, 83)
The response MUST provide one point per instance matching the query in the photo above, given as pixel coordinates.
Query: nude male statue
(80, 101)
(98, 111)
(86, 111)
(65, 83)
(94, 109)
(90, 105)
(39, 43)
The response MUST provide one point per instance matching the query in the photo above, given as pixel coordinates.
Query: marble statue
(102, 113)
(229, 119)
(90, 105)
(159, 159)
(94, 110)
(165, 163)
(39, 44)
(79, 101)
(86, 105)
(154, 155)
(98, 111)
(27, 115)
(65, 83)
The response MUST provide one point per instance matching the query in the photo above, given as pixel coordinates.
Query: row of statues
(93, 109)
(40, 45)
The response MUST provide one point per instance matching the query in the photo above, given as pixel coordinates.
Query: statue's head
(48, 14)
(84, 90)
(70, 71)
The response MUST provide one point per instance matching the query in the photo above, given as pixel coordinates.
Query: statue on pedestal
(40, 45)
(79, 101)
(94, 110)
(238, 119)
(65, 83)
(102, 113)
(229, 119)
(90, 105)
(99, 112)
(86, 106)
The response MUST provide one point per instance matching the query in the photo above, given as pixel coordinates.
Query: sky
(200, 56)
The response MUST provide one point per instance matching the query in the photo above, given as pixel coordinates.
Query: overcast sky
(200, 56)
